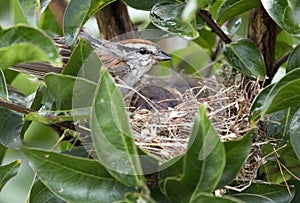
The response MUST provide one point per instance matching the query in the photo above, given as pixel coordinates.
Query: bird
(127, 60)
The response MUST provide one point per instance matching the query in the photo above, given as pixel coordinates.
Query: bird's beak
(161, 56)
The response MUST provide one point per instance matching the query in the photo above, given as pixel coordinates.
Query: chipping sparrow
(127, 60)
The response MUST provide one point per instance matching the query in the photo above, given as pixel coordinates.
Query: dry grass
(165, 132)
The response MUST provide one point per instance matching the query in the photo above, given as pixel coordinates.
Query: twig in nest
(281, 171)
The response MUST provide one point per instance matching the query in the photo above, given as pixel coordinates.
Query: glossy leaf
(77, 13)
(138, 197)
(295, 133)
(285, 93)
(191, 8)
(30, 10)
(8, 171)
(285, 13)
(141, 5)
(232, 8)
(206, 197)
(2, 152)
(256, 107)
(281, 49)
(40, 193)
(293, 60)
(3, 87)
(279, 123)
(75, 179)
(21, 44)
(112, 135)
(167, 16)
(44, 4)
(18, 14)
(84, 62)
(265, 193)
(244, 56)
(202, 165)
(10, 127)
(296, 184)
(69, 91)
(48, 24)
(236, 154)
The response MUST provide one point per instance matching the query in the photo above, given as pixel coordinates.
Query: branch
(15, 107)
(262, 30)
(281, 61)
(113, 20)
(24, 110)
(206, 17)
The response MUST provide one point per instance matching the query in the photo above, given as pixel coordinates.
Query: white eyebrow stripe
(138, 46)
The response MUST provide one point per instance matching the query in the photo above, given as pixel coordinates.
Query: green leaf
(285, 93)
(84, 62)
(2, 152)
(77, 13)
(48, 23)
(3, 87)
(231, 8)
(265, 193)
(168, 17)
(296, 184)
(10, 127)
(285, 13)
(138, 197)
(112, 135)
(256, 107)
(30, 9)
(236, 154)
(293, 60)
(40, 193)
(295, 133)
(192, 6)
(21, 44)
(202, 165)
(279, 124)
(8, 171)
(281, 49)
(244, 56)
(18, 14)
(44, 4)
(69, 91)
(75, 179)
(206, 197)
(141, 5)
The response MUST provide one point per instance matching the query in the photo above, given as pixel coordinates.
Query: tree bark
(113, 20)
(262, 31)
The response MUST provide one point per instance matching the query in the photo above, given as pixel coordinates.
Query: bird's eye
(143, 51)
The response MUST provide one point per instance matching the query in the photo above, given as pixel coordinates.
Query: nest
(166, 132)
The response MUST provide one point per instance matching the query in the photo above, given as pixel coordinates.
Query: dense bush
(66, 173)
